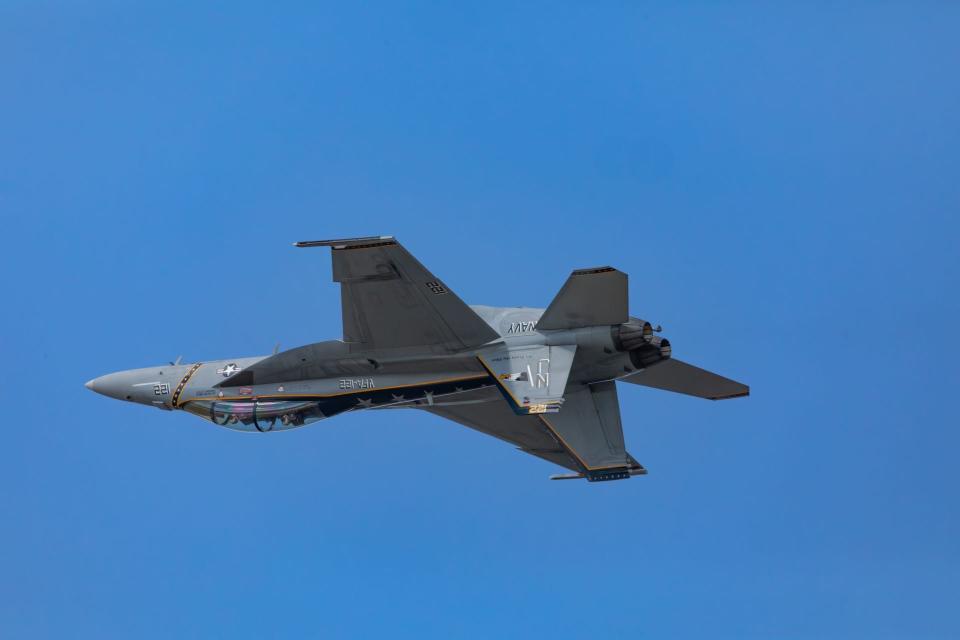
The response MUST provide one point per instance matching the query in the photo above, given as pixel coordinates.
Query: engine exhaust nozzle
(632, 335)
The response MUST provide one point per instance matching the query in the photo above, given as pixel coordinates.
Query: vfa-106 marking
(541, 379)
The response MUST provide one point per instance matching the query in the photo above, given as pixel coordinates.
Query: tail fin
(589, 428)
(532, 378)
(589, 297)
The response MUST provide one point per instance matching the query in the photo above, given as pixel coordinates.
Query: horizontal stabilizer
(680, 377)
(590, 297)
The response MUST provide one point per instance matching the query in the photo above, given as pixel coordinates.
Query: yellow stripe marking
(175, 399)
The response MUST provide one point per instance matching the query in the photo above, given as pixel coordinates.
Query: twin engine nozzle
(637, 338)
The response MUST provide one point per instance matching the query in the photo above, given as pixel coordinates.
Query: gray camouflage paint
(500, 370)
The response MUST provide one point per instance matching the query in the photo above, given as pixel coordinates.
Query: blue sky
(781, 184)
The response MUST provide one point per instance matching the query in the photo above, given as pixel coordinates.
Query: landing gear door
(533, 379)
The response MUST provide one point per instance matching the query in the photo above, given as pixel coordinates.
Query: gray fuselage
(327, 378)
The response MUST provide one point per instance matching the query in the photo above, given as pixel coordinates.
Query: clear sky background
(782, 185)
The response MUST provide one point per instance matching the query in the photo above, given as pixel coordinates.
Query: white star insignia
(366, 404)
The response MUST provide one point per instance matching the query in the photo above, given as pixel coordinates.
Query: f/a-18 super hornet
(541, 379)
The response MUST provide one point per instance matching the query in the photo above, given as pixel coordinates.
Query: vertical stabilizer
(590, 297)
(533, 378)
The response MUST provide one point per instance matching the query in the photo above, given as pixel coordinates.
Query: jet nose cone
(143, 386)
(112, 385)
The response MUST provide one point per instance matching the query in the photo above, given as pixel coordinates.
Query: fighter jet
(543, 380)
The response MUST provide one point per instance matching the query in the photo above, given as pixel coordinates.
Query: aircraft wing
(585, 436)
(390, 300)
(680, 377)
